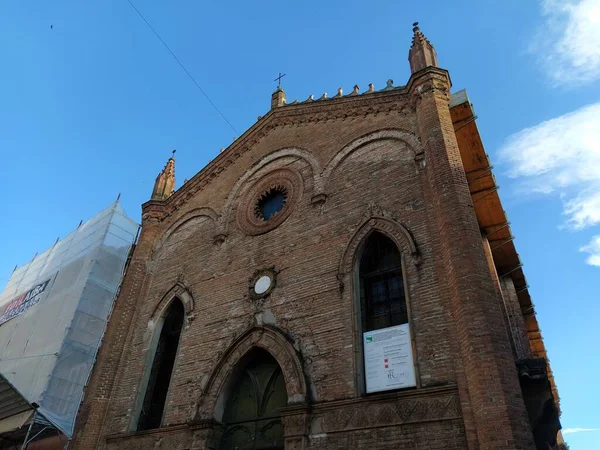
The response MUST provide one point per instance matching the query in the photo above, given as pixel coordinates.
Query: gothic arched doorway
(251, 417)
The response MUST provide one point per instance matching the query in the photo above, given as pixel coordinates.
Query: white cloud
(584, 210)
(568, 41)
(578, 430)
(562, 156)
(593, 248)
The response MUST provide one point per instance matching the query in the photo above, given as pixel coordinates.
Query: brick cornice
(430, 80)
(427, 72)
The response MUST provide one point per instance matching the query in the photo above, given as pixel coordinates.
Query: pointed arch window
(162, 368)
(384, 317)
(383, 301)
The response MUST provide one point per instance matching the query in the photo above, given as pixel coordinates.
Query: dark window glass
(383, 302)
(272, 202)
(162, 368)
(251, 416)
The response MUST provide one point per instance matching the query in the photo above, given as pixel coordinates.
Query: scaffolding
(54, 311)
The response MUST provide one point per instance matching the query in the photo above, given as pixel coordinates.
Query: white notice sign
(388, 359)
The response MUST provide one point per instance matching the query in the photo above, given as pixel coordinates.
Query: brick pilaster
(90, 428)
(500, 418)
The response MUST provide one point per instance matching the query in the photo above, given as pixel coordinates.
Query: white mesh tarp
(50, 332)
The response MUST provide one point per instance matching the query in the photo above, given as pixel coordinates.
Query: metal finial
(278, 79)
(415, 27)
(173, 154)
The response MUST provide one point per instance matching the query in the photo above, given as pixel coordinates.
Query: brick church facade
(342, 276)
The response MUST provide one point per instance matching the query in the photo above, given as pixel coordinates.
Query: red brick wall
(410, 174)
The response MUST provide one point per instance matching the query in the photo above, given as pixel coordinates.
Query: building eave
(492, 218)
(486, 200)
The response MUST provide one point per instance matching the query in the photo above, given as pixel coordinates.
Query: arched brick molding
(409, 139)
(180, 291)
(209, 213)
(394, 230)
(214, 394)
(261, 168)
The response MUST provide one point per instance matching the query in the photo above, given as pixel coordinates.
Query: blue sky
(94, 106)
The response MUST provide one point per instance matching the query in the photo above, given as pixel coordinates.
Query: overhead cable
(182, 66)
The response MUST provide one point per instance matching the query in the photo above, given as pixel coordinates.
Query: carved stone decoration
(288, 182)
(413, 410)
(454, 408)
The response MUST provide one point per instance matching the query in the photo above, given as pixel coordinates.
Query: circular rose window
(269, 201)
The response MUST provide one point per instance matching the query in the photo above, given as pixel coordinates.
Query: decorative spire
(421, 53)
(164, 185)
(278, 98)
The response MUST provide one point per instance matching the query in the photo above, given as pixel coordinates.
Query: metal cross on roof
(278, 79)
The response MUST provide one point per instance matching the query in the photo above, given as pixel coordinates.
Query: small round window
(271, 202)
